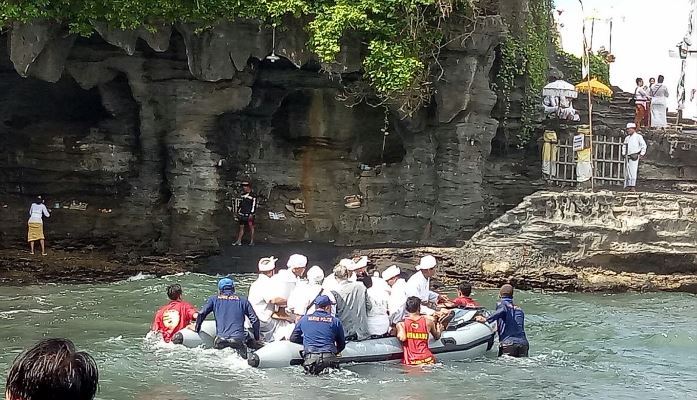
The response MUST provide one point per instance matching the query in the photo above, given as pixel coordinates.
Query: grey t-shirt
(353, 308)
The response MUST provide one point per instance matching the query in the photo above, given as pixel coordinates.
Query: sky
(643, 33)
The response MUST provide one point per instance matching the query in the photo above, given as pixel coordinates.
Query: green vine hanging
(526, 58)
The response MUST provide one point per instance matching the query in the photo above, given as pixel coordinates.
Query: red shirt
(416, 351)
(172, 318)
(466, 302)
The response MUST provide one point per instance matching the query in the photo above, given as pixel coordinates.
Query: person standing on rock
(634, 149)
(37, 211)
(510, 323)
(659, 104)
(245, 213)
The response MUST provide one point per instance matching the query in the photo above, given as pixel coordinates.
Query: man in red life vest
(414, 331)
(174, 316)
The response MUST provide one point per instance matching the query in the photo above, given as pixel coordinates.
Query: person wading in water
(245, 213)
(414, 331)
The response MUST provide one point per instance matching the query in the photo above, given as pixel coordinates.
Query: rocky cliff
(588, 241)
(139, 139)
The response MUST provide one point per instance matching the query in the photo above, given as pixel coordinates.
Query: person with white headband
(264, 299)
(300, 300)
(419, 285)
(634, 148)
(398, 289)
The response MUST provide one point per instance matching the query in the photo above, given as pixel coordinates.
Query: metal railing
(608, 161)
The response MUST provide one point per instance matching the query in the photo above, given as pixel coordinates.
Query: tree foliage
(526, 58)
(403, 37)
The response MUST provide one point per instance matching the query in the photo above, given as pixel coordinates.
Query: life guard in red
(414, 333)
(174, 316)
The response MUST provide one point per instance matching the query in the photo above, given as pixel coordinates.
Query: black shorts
(246, 220)
(514, 349)
(315, 363)
(238, 345)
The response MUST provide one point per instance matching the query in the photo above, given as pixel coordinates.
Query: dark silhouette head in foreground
(52, 369)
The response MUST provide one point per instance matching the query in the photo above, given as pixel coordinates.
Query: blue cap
(323, 301)
(225, 283)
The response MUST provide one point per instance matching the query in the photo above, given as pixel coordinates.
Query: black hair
(53, 369)
(174, 291)
(413, 304)
(661, 78)
(465, 288)
(39, 199)
(639, 80)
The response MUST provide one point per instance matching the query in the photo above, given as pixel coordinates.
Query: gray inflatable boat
(464, 339)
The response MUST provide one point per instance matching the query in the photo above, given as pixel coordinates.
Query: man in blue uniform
(230, 311)
(322, 337)
(510, 322)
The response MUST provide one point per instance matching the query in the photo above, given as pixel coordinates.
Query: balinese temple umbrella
(595, 87)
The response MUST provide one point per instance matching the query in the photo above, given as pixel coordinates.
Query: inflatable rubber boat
(463, 339)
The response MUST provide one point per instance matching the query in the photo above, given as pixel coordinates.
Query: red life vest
(416, 351)
(173, 317)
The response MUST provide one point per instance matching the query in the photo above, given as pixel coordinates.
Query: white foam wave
(140, 277)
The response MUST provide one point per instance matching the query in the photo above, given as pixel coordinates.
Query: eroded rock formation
(589, 241)
(153, 131)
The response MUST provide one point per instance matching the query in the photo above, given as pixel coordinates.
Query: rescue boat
(463, 339)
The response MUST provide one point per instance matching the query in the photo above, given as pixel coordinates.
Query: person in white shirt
(398, 289)
(264, 298)
(659, 104)
(301, 300)
(634, 149)
(378, 319)
(380, 283)
(36, 224)
(419, 285)
(641, 101)
(330, 283)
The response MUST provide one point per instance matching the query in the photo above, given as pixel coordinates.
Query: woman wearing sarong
(36, 224)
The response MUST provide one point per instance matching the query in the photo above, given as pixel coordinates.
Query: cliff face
(154, 131)
(589, 241)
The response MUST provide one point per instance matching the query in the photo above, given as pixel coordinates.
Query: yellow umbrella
(594, 86)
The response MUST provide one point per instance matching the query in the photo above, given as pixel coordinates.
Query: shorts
(246, 219)
(238, 345)
(514, 349)
(315, 363)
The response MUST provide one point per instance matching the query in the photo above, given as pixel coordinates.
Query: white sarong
(658, 113)
(630, 173)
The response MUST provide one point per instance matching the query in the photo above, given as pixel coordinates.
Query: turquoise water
(625, 346)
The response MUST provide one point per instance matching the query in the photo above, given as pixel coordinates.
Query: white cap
(315, 274)
(267, 264)
(347, 263)
(391, 272)
(297, 261)
(427, 262)
(362, 262)
(631, 125)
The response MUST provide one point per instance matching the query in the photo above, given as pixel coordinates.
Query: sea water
(582, 346)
